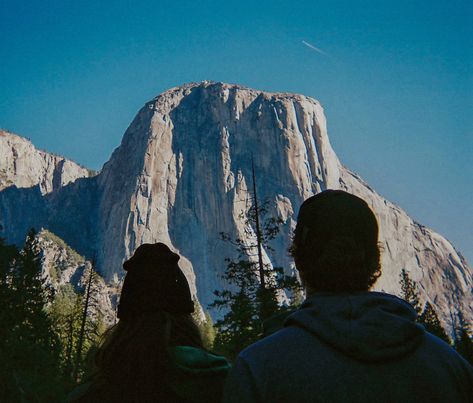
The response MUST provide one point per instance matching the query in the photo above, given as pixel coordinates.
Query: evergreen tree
(431, 322)
(91, 323)
(8, 255)
(66, 314)
(32, 295)
(425, 316)
(39, 337)
(409, 291)
(463, 340)
(240, 325)
(29, 348)
(255, 286)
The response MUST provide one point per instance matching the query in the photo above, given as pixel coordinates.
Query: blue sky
(397, 84)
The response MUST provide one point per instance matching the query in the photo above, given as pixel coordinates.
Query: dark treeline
(462, 340)
(48, 338)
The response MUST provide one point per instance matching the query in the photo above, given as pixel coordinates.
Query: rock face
(38, 189)
(182, 175)
(22, 165)
(62, 265)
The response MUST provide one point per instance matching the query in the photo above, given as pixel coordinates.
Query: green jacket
(197, 376)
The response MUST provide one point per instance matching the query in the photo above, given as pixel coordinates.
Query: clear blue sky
(397, 84)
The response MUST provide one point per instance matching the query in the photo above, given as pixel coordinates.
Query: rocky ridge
(62, 265)
(182, 175)
(24, 166)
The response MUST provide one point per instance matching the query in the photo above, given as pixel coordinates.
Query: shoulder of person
(197, 375)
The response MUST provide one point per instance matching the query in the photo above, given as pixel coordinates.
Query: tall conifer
(30, 347)
(254, 285)
(426, 315)
(463, 342)
(409, 291)
(431, 322)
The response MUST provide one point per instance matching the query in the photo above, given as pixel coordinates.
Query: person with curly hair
(346, 343)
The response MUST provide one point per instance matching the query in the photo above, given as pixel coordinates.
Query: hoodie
(360, 347)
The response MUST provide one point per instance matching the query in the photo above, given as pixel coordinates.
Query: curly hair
(335, 245)
(342, 266)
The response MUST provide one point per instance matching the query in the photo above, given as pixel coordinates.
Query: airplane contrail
(309, 45)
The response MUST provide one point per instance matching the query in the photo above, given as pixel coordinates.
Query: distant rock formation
(62, 265)
(22, 165)
(182, 175)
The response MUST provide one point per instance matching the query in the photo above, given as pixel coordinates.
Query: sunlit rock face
(61, 265)
(22, 165)
(182, 175)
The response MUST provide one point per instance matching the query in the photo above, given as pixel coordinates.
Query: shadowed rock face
(182, 175)
(38, 189)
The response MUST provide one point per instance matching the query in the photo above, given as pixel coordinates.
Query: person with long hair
(155, 352)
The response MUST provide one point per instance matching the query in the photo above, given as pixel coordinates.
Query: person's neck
(310, 291)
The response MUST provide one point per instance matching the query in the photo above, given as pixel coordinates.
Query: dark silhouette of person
(155, 352)
(346, 344)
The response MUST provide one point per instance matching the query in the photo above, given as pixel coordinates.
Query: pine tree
(463, 340)
(31, 294)
(409, 291)
(78, 324)
(30, 349)
(425, 316)
(255, 285)
(431, 322)
(91, 323)
(8, 255)
(66, 314)
(240, 325)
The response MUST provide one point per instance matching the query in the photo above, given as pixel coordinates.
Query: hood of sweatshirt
(367, 326)
(197, 375)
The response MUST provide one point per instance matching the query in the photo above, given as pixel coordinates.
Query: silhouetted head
(154, 282)
(133, 363)
(335, 245)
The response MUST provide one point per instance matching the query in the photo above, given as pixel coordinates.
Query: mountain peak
(220, 88)
(24, 166)
(183, 173)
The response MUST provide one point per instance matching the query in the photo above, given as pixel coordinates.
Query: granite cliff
(22, 165)
(182, 174)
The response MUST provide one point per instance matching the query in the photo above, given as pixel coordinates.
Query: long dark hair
(132, 362)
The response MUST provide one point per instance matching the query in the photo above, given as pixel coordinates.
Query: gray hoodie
(362, 347)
